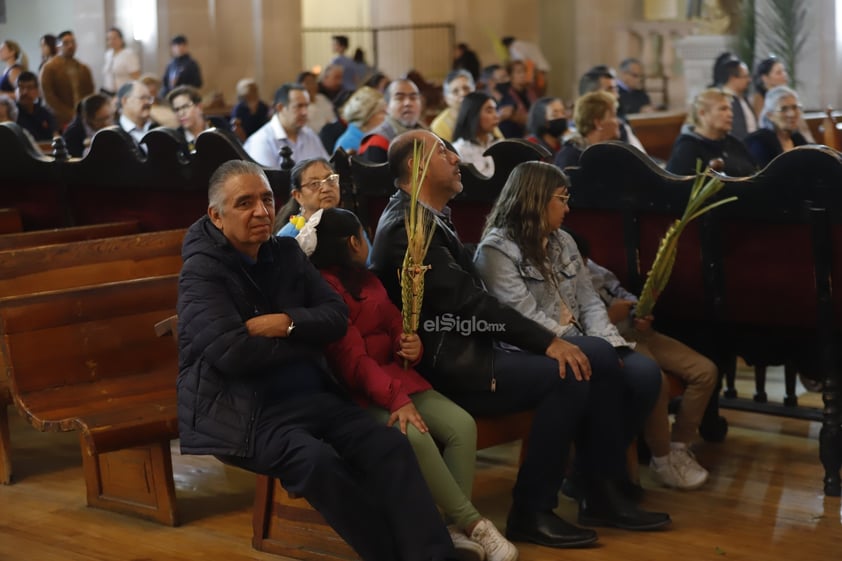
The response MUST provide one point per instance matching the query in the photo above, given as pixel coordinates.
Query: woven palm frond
(419, 226)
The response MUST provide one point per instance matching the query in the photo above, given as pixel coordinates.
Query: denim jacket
(521, 285)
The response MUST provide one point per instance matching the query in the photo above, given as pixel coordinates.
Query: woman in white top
(121, 64)
(475, 131)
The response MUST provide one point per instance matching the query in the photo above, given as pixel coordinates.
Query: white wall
(27, 20)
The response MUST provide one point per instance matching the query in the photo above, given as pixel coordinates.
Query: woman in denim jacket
(529, 263)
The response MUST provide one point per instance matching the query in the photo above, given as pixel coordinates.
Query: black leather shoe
(547, 529)
(605, 504)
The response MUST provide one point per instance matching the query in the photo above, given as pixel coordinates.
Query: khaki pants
(699, 376)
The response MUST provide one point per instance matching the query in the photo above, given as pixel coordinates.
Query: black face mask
(556, 127)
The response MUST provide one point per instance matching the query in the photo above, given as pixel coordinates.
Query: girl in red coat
(370, 359)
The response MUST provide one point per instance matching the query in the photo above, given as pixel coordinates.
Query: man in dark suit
(732, 75)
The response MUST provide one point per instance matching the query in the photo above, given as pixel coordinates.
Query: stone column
(698, 53)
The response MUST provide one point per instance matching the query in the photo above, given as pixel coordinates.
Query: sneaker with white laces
(685, 461)
(496, 547)
(678, 469)
(466, 549)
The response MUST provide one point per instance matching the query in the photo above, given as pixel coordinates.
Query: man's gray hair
(387, 95)
(229, 169)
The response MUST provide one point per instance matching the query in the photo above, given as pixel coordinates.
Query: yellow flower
(297, 221)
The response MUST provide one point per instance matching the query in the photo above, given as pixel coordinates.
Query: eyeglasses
(789, 108)
(185, 107)
(563, 198)
(331, 180)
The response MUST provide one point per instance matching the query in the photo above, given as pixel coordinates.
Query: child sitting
(375, 360)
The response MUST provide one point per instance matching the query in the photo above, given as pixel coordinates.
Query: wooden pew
(70, 265)
(658, 131)
(753, 278)
(107, 376)
(66, 265)
(10, 221)
(162, 189)
(21, 240)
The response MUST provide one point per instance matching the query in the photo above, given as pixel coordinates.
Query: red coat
(365, 356)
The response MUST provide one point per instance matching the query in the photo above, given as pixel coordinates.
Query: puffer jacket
(460, 320)
(224, 372)
(365, 356)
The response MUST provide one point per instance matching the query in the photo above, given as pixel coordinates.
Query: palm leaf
(705, 186)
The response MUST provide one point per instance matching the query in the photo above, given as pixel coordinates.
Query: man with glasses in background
(186, 103)
(134, 105)
(633, 97)
(288, 127)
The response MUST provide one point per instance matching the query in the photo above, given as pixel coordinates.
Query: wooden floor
(763, 503)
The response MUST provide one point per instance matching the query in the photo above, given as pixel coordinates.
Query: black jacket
(689, 147)
(181, 71)
(764, 146)
(454, 360)
(225, 373)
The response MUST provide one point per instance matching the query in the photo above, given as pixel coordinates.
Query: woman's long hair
(521, 210)
(467, 123)
(291, 207)
(332, 252)
(763, 68)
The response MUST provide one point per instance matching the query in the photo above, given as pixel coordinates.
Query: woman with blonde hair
(707, 139)
(595, 115)
(363, 111)
(15, 61)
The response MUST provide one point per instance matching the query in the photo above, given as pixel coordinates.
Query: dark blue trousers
(594, 414)
(362, 476)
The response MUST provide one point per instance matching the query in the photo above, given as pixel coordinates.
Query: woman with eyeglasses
(314, 185)
(528, 262)
(779, 123)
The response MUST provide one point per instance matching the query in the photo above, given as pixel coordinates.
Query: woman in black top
(708, 138)
(778, 132)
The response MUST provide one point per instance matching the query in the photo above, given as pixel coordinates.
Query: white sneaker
(679, 469)
(497, 548)
(685, 461)
(466, 549)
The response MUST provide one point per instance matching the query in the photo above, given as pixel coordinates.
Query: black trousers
(594, 414)
(362, 476)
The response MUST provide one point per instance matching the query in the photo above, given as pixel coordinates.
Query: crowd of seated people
(566, 319)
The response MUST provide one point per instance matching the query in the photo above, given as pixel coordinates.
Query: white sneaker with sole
(497, 547)
(691, 472)
(679, 469)
(466, 549)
